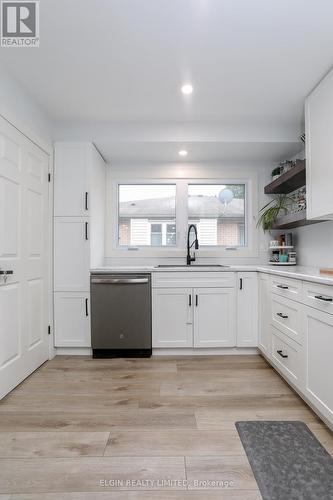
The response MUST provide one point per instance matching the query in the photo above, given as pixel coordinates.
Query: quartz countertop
(296, 272)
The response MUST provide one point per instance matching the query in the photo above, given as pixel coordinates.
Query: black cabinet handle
(281, 354)
(284, 316)
(190, 300)
(284, 287)
(86, 201)
(86, 231)
(196, 301)
(6, 272)
(321, 297)
(241, 283)
(87, 313)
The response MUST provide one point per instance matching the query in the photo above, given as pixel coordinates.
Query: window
(147, 215)
(218, 211)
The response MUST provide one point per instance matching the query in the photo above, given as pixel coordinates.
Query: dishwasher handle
(119, 281)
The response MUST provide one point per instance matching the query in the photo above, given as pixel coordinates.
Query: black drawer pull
(281, 315)
(284, 287)
(86, 201)
(321, 297)
(196, 301)
(190, 300)
(281, 354)
(86, 231)
(6, 272)
(87, 313)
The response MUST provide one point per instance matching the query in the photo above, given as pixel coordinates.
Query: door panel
(214, 317)
(10, 324)
(247, 310)
(24, 252)
(172, 317)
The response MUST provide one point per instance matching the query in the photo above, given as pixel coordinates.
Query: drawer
(286, 356)
(194, 279)
(318, 296)
(286, 316)
(287, 287)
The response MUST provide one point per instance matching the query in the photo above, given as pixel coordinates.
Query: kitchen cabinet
(194, 309)
(72, 319)
(172, 317)
(317, 361)
(287, 356)
(71, 179)
(264, 303)
(79, 215)
(71, 254)
(319, 150)
(247, 310)
(214, 317)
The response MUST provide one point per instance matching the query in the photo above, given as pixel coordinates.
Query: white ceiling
(251, 62)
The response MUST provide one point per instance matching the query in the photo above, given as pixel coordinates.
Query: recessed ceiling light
(187, 89)
(182, 152)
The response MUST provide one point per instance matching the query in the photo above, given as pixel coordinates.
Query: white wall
(20, 108)
(314, 245)
(259, 175)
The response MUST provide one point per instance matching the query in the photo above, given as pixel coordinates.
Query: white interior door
(24, 253)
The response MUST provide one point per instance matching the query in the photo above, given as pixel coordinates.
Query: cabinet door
(214, 317)
(172, 317)
(264, 306)
(318, 364)
(71, 254)
(71, 197)
(319, 150)
(71, 319)
(247, 310)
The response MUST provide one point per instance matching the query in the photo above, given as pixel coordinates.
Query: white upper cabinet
(71, 183)
(319, 150)
(247, 310)
(214, 317)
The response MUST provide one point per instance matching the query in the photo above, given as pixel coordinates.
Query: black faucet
(189, 258)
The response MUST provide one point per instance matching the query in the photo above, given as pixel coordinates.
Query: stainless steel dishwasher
(120, 315)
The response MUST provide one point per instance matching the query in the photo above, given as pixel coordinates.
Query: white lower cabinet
(317, 363)
(194, 317)
(72, 319)
(264, 302)
(214, 317)
(172, 317)
(247, 310)
(287, 357)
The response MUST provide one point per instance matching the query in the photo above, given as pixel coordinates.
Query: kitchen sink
(191, 266)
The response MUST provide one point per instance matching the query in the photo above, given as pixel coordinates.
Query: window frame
(250, 249)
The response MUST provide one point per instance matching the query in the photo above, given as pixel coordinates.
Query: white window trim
(251, 249)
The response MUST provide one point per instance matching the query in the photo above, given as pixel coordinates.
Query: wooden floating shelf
(288, 182)
(291, 221)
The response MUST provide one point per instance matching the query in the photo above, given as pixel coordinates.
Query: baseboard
(74, 351)
(205, 352)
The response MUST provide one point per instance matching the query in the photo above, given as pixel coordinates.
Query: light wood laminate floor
(137, 429)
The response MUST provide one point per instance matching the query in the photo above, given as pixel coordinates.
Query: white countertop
(296, 272)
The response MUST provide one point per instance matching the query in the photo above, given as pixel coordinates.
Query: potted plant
(270, 212)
